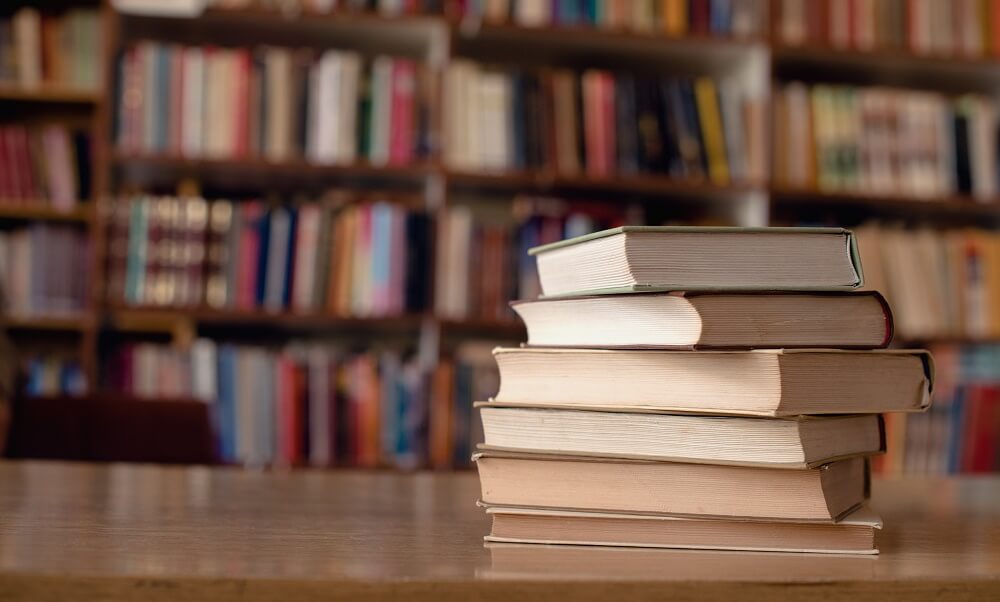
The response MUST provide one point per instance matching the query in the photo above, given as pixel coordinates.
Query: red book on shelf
(6, 178)
(699, 16)
(246, 281)
(608, 135)
(404, 81)
(241, 93)
(593, 129)
(983, 435)
(26, 175)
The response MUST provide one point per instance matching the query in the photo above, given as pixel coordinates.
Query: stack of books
(729, 401)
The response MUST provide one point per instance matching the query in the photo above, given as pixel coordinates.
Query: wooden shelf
(53, 323)
(144, 319)
(639, 184)
(957, 206)
(253, 167)
(895, 67)
(42, 211)
(501, 328)
(49, 94)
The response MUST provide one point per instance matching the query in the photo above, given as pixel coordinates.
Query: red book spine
(299, 426)
(29, 189)
(973, 406)
(242, 96)
(592, 129)
(609, 134)
(404, 81)
(984, 458)
(6, 178)
(246, 282)
(699, 16)
(285, 395)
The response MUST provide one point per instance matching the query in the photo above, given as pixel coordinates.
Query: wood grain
(79, 531)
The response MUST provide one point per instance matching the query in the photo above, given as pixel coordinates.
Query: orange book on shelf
(675, 18)
(53, 64)
(440, 427)
(994, 27)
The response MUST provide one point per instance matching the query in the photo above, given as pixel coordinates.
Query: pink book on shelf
(246, 282)
(404, 81)
(284, 395)
(59, 167)
(26, 175)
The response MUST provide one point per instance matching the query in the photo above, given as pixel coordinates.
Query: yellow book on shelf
(675, 17)
(711, 129)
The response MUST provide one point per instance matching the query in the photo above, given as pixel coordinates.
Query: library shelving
(756, 63)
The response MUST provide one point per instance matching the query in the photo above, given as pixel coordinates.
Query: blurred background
(279, 233)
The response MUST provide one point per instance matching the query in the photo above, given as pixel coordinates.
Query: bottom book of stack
(571, 499)
(854, 534)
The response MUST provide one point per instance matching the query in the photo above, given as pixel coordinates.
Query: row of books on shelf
(44, 269)
(941, 283)
(52, 374)
(312, 404)
(884, 141)
(482, 261)
(670, 17)
(61, 50)
(46, 165)
(363, 259)
(601, 123)
(961, 432)
(964, 28)
(334, 107)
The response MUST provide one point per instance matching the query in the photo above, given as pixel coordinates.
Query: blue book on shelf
(264, 231)
(568, 12)
(381, 253)
(720, 16)
(956, 430)
(225, 407)
(286, 288)
(36, 376)
(135, 270)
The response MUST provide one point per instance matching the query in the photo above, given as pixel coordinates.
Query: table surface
(121, 532)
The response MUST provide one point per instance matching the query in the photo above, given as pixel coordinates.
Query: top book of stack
(649, 258)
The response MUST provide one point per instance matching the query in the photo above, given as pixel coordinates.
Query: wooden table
(94, 532)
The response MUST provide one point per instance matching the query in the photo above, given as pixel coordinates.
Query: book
(792, 443)
(854, 534)
(761, 382)
(629, 259)
(824, 494)
(709, 320)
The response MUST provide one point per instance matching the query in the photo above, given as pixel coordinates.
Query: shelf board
(52, 323)
(640, 183)
(956, 206)
(48, 94)
(42, 211)
(141, 319)
(245, 169)
(503, 328)
(601, 41)
(898, 67)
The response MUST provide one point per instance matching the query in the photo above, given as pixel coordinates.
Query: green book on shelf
(675, 258)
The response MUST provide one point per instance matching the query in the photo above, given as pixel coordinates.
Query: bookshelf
(758, 63)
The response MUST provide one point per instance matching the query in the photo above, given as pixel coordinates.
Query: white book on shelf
(381, 111)
(204, 377)
(193, 90)
(215, 112)
(324, 97)
(533, 13)
(27, 32)
(982, 132)
(494, 105)
(161, 8)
